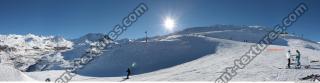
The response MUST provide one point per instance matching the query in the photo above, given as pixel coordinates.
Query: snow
(89, 37)
(12, 74)
(23, 51)
(163, 53)
(193, 54)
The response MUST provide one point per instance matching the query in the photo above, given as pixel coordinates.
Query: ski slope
(11, 74)
(195, 54)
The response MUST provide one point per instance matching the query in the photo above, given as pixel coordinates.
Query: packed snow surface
(11, 74)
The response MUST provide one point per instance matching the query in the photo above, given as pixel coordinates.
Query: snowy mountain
(88, 37)
(193, 54)
(82, 44)
(23, 52)
(251, 34)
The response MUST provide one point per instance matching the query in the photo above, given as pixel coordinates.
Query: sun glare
(169, 23)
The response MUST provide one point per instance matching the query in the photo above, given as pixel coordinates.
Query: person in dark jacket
(48, 80)
(298, 57)
(128, 73)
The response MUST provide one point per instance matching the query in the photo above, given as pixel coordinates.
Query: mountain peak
(89, 37)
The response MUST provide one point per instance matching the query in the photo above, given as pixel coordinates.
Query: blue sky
(75, 18)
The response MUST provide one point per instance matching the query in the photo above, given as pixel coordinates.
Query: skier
(298, 57)
(288, 57)
(128, 73)
(48, 80)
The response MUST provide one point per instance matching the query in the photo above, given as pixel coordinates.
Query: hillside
(12, 74)
(30, 52)
(194, 54)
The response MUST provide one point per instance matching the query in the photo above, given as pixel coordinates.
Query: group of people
(293, 58)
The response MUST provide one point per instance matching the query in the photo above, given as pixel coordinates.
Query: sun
(169, 23)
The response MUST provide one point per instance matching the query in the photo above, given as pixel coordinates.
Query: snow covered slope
(25, 51)
(11, 74)
(170, 50)
(155, 55)
(81, 45)
(196, 54)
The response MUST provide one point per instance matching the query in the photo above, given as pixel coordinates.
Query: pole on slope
(146, 32)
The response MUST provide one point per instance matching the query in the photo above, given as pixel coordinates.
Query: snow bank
(11, 74)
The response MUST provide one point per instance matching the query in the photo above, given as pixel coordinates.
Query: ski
(124, 79)
(298, 67)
